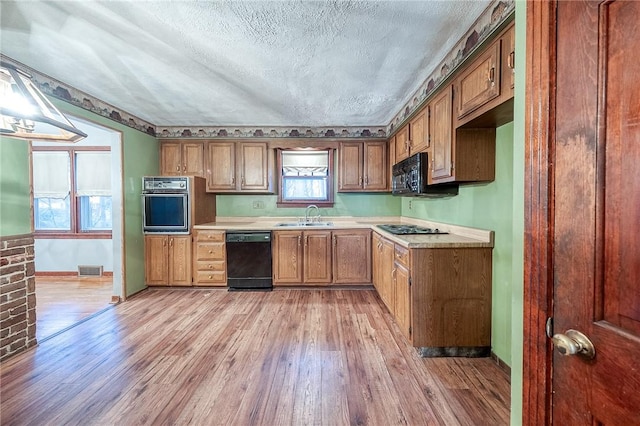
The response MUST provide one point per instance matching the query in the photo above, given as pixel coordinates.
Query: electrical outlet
(410, 204)
(258, 204)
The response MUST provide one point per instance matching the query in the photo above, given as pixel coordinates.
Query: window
(305, 176)
(72, 191)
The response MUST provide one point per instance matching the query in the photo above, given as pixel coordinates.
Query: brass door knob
(574, 343)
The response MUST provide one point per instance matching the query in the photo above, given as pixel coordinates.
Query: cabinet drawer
(213, 277)
(210, 265)
(402, 255)
(214, 236)
(213, 251)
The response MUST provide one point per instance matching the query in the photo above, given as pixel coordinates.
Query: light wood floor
(212, 357)
(64, 301)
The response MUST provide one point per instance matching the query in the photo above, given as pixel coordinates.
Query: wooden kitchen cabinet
(352, 256)
(463, 155)
(402, 143)
(167, 260)
(440, 298)
(382, 269)
(182, 158)
(301, 257)
(238, 167)
(363, 167)
(209, 258)
(418, 132)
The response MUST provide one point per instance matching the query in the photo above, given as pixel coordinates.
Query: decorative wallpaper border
(495, 14)
(270, 132)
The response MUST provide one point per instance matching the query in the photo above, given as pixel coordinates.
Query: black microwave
(409, 178)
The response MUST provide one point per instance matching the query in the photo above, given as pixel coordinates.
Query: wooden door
(253, 166)
(596, 265)
(375, 166)
(441, 128)
(350, 166)
(221, 166)
(352, 256)
(402, 299)
(156, 250)
(170, 159)
(317, 257)
(179, 260)
(287, 257)
(418, 132)
(385, 287)
(193, 159)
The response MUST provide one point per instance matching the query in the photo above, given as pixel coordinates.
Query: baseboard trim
(503, 365)
(68, 274)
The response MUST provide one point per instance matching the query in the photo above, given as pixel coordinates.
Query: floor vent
(89, 270)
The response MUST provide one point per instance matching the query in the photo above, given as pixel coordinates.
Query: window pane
(304, 188)
(51, 174)
(93, 173)
(95, 213)
(52, 214)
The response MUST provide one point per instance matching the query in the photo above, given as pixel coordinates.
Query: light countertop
(457, 237)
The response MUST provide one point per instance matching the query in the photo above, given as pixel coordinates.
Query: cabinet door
(254, 164)
(350, 166)
(418, 132)
(170, 159)
(287, 257)
(480, 82)
(156, 250)
(509, 61)
(375, 166)
(352, 256)
(193, 159)
(317, 257)
(382, 257)
(402, 143)
(402, 300)
(179, 260)
(441, 128)
(221, 169)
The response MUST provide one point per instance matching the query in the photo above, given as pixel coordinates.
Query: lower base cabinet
(209, 259)
(440, 298)
(167, 260)
(321, 257)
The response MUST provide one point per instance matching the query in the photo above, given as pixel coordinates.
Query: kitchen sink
(305, 224)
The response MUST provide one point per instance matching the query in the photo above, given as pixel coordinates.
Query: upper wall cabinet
(483, 90)
(362, 167)
(239, 167)
(182, 158)
(413, 137)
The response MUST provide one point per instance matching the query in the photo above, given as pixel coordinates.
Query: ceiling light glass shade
(25, 113)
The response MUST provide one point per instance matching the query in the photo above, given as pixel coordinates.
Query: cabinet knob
(210, 251)
(210, 277)
(210, 266)
(492, 75)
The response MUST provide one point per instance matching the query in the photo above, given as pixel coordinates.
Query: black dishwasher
(249, 260)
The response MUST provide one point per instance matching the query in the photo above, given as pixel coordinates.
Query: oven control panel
(165, 184)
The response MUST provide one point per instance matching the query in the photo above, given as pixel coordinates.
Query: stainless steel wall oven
(166, 204)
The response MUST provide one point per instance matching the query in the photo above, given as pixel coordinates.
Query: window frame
(74, 198)
(304, 203)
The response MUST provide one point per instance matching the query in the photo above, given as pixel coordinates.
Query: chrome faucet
(306, 214)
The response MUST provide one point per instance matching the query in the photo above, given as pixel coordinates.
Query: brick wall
(17, 295)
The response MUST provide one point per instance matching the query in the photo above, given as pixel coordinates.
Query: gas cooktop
(409, 229)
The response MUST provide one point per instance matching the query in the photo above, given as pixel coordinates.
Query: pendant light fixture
(26, 113)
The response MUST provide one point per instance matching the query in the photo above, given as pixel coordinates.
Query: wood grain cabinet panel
(238, 167)
(210, 258)
(418, 132)
(317, 257)
(363, 167)
(182, 158)
(402, 298)
(352, 256)
(479, 82)
(382, 269)
(441, 128)
(402, 144)
(167, 260)
(287, 257)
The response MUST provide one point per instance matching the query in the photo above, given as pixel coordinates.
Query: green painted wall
(140, 158)
(344, 205)
(486, 206)
(517, 269)
(15, 201)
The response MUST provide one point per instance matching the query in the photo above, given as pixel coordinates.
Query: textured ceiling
(278, 63)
